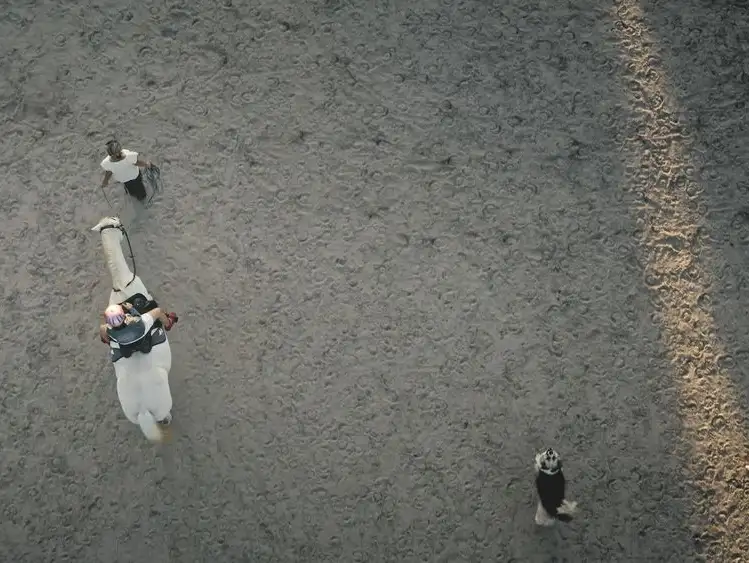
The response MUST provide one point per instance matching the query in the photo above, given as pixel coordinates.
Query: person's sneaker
(167, 420)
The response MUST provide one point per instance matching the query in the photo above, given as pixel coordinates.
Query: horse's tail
(149, 426)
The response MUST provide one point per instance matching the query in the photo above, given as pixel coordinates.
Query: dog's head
(548, 461)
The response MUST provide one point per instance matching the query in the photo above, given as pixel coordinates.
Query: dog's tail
(149, 426)
(565, 512)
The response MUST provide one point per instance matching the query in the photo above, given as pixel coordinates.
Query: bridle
(129, 246)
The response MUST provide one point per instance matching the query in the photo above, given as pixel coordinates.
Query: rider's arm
(103, 333)
(107, 176)
(159, 315)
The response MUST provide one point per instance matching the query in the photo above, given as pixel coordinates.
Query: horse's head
(108, 223)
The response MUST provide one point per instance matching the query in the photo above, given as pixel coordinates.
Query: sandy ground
(409, 247)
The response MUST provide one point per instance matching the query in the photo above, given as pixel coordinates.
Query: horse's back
(143, 382)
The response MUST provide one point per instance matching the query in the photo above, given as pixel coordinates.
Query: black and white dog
(550, 483)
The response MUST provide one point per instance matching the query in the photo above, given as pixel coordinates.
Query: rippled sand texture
(410, 244)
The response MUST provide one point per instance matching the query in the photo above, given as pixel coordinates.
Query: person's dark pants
(136, 188)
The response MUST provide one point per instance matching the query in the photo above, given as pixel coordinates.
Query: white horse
(142, 379)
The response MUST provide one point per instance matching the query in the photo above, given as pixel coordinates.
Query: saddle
(157, 334)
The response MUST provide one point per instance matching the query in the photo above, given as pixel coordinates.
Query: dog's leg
(568, 508)
(542, 517)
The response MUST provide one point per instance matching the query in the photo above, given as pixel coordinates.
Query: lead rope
(132, 256)
(103, 191)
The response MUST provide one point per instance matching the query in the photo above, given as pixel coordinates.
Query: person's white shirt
(123, 170)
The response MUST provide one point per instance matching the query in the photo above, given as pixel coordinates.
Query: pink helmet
(115, 315)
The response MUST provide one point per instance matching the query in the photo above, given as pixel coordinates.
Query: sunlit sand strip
(713, 419)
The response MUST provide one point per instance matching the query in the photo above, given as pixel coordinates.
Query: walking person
(125, 166)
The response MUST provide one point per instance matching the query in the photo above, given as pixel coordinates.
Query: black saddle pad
(141, 304)
(128, 334)
(157, 336)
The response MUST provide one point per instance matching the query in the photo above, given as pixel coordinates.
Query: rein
(130, 248)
